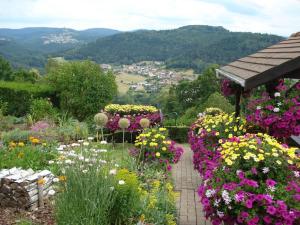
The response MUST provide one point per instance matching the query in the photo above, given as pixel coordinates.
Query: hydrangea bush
(153, 145)
(257, 182)
(279, 116)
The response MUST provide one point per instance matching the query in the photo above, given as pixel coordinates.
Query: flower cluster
(279, 116)
(153, 145)
(206, 135)
(256, 182)
(130, 109)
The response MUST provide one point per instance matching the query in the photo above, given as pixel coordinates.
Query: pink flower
(271, 210)
(270, 182)
(267, 219)
(249, 203)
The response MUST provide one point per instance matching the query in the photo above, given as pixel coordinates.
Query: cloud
(268, 16)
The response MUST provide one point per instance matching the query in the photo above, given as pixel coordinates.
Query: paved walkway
(186, 182)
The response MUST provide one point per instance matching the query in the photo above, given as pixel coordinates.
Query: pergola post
(238, 101)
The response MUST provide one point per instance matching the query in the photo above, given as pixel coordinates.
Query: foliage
(22, 75)
(20, 95)
(42, 109)
(83, 88)
(256, 182)
(153, 146)
(5, 69)
(279, 116)
(129, 109)
(216, 100)
(15, 135)
(178, 133)
(186, 47)
(26, 155)
(189, 116)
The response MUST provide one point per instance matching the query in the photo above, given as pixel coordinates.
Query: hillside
(189, 46)
(32, 46)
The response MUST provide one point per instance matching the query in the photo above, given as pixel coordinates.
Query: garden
(250, 169)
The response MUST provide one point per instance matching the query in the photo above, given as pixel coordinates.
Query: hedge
(178, 133)
(19, 95)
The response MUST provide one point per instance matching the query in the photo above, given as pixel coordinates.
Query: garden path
(187, 181)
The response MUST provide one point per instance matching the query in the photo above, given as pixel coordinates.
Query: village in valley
(149, 76)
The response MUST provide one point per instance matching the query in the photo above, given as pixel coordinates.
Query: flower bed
(205, 136)
(257, 182)
(154, 146)
(132, 112)
(248, 179)
(279, 116)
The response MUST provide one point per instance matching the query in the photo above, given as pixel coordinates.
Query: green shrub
(178, 133)
(19, 95)
(72, 129)
(127, 198)
(42, 109)
(16, 135)
(217, 100)
(29, 156)
(189, 116)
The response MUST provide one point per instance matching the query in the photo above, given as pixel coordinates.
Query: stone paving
(186, 182)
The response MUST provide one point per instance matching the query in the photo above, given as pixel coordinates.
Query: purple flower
(253, 170)
(271, 210)
(267, 219)
(249, 203)
(270, 182)
(244, 215)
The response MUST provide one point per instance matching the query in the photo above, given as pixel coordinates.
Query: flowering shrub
(205, 136)
(154, 146)
(257, 182)
(227, 87)
(134, 113)
(130, 109)
(279, 116)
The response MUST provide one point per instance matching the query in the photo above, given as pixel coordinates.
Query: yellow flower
(217, 133)
(290, 161)
(21, 155)
(62, 178)
(228, 161)
(278, 162)
(21, 144)
(230, 135)
(162, 129)
(142, 218)
(164, 148)
(157, 154)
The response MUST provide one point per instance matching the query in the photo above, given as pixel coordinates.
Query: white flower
(103, 142)
(258, 107)
(102, 150)
(103, 161)
(55, 180)
(51, 192)
(121, 182)
(276, 109)
(220, 214)
(59, 149)
(216, 202)
(265, 170)
(113, 172)
(87, 160)
(68, 161)
(116, 165)
(226, 197)
(86, 143)
(81, 158)
(84, 171)
(296, 173)
(279, 103)
(51, 162)
(209, 193)
(271, 188)
(80, 141)
(277, 94)
(112, 188)
(90, 138)
(75, 145)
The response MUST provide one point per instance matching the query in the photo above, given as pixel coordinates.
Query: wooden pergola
(265, 67)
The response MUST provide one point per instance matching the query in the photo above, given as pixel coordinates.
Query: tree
(22, 75)
(5, 69)
(83, 87)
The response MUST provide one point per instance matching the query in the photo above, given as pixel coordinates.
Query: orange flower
(41, 181)
(62, 178)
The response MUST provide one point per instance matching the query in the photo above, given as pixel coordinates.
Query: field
(125, 79)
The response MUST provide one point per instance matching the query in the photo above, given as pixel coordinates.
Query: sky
(280, 17)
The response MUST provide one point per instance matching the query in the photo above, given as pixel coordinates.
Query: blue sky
(265, 16)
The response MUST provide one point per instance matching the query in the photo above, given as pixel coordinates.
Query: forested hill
(190, 46)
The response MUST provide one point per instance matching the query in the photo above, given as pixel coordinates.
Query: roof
(276, 61)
